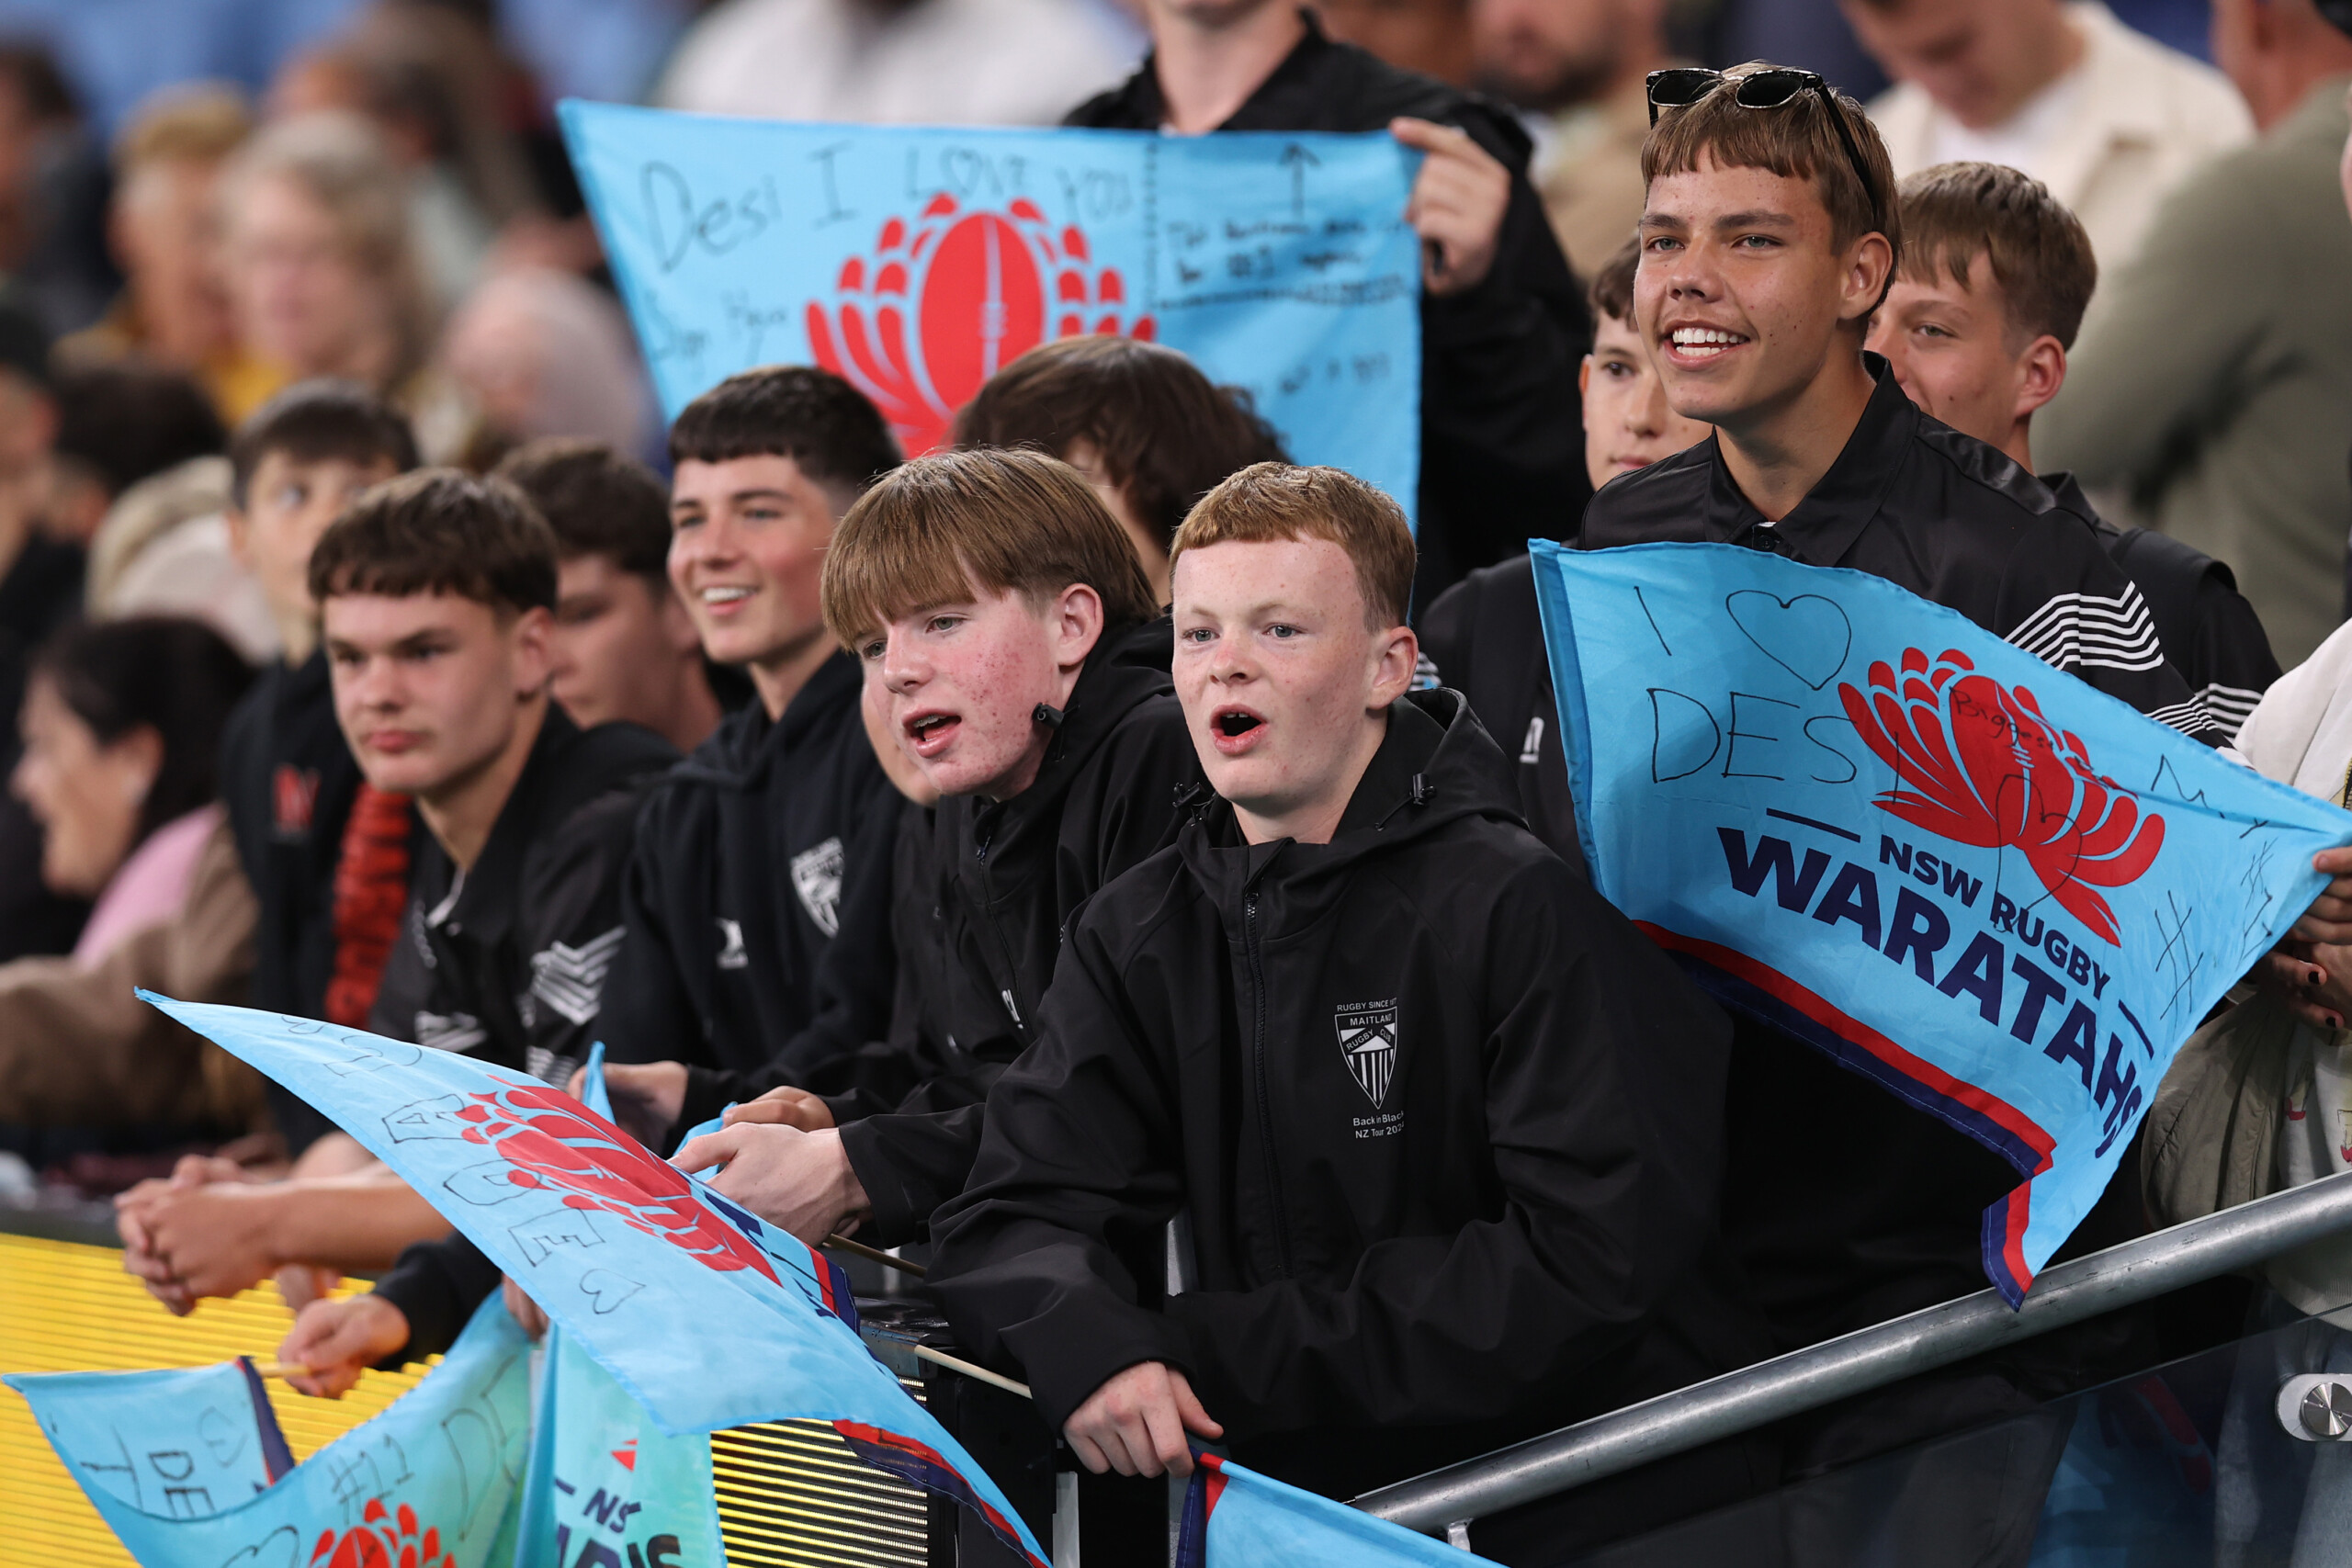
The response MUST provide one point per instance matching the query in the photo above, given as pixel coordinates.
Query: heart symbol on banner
(1802, 634)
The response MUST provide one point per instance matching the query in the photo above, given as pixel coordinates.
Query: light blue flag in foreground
(1999, 892)
(606, 1489)
(918, 261)
(703, 1315)
(190, 1471)
(1235, 1518)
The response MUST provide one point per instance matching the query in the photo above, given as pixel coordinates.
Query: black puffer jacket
(1447, 1130)
(1007, 877)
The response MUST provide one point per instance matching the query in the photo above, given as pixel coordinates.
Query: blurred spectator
(2214, 370)
(40, 585)
(1581, 64)
(162, 226)
(52, 194)
(1431, 36)
(538, 352)
(895, 61)
(122, 737)
(429, 77)
(116, 425)
(2110, 121)
(322, 278)
(165, 549)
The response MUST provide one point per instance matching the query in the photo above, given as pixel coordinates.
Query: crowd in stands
(990, 841)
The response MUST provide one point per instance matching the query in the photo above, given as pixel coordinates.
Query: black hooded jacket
(1447, 1130)
(1502, 446)
(506, 960)
(756, 937)
(287, 780)
(1006, 877)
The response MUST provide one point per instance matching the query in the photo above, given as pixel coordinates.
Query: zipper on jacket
(1258, 1055)
(1011, 971)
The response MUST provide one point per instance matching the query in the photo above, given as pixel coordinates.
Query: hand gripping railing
(1867, 1359)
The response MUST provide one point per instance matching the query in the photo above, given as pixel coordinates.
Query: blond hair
(1268, 502)
(340, 160)
(199, 123)
(940, 528)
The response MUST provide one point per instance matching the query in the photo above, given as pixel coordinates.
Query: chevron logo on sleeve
(571, 980)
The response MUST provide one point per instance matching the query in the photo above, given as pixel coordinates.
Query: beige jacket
(78, 1049)
(2145, 117)
(1588, 171)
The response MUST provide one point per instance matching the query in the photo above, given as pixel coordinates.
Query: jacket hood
(745, 745)
(1436, 765)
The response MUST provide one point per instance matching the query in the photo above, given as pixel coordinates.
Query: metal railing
(1868, 1359)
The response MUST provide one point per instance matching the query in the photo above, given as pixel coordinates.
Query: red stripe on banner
(921, 1463)
(1854, 1031)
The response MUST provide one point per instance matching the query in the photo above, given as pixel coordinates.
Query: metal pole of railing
(1868, 1359)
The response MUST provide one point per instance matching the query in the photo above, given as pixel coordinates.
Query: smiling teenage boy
(759, 949)
(1770, 237)
(1447, 1128)
(1994, 278)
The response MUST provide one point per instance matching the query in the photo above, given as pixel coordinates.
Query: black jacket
(1943, 514)
(1447, 1130)
(1007, 877)
(2210, 632)
(756, 900)
(288, 779)
(506, 959)
(1485, 638)
(1502, 442)
(1893, 1223)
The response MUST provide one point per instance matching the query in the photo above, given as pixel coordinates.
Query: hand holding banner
(917, 261)
(703, 1315)
(2000, 894)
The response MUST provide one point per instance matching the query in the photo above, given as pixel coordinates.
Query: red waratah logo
(555, 1143)
(385, 1541)
(1978, 763)
(945, 302)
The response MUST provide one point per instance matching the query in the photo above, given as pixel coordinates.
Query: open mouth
(1235, 730)
(928, 733)
(724, 598)
(1696, 345)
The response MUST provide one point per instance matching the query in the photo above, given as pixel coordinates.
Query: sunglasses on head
(1682, 85)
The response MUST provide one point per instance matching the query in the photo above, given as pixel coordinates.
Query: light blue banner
(2001, 894)
(918, 261)
(1235, 1518)
(179, 1463)
(703, 1316)
(606, 1489)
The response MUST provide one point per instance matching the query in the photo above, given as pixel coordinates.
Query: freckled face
(960, 684)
